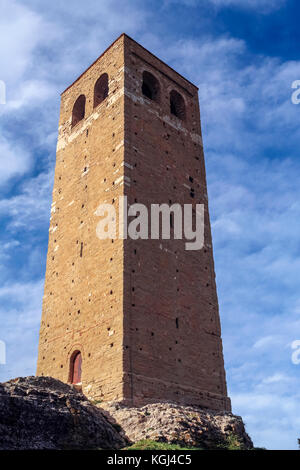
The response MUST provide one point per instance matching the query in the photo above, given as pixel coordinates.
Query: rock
(44, 413)
(177, 424)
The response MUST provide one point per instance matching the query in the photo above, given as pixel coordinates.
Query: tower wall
(143, 313)
(83, 301)
(172, 327)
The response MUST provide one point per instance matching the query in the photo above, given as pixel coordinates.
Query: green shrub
(147, 444)
(233, 442)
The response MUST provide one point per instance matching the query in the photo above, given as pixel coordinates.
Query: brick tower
(130, 320)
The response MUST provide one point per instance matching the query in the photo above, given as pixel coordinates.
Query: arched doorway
(75, 368)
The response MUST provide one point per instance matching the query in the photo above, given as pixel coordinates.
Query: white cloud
(263, 6)
(270, 418)
(243, 98)
(277, 377)
(20, 313)
(6, 248)
(30, 93)
(31, 208)
(14, 161)
(20, 32)
(82, 33)
(267, 342)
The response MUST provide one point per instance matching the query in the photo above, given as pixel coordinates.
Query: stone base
(178, 424)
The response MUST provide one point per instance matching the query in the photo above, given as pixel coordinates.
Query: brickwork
(143, 314)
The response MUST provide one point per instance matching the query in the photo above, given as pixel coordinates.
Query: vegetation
(147, 444)
(96, 402)
(232, 443)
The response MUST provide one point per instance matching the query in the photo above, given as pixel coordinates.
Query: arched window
(150, 86)
(75, 368)
(177, 105)
(101, 89)
(78, 110)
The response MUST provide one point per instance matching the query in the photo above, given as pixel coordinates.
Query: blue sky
(244, 56)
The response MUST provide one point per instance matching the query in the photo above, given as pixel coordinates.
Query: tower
(130, 320)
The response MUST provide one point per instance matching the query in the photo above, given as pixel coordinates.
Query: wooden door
(76, 375)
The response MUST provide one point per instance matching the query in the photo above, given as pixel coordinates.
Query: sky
(244, 56)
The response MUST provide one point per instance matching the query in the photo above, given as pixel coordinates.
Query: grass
(147, 444)
(96, 402)
(232, 443)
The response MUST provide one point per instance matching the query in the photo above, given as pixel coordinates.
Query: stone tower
(130, 320)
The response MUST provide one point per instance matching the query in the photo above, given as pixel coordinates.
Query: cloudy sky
(244, 56)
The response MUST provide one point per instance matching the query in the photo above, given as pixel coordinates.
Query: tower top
(124, 35)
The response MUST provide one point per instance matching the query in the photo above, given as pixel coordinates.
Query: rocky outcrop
(44, 413)
(177, 424)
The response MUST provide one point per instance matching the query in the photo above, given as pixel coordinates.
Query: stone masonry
(143, 313)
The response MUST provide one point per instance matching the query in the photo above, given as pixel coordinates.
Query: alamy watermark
(2, 353)
(296, 354)
(2, 92)
(180, 222)
(296, 94)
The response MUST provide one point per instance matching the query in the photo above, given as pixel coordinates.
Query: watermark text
(296, 94)
(161, 221)
(296, 354)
